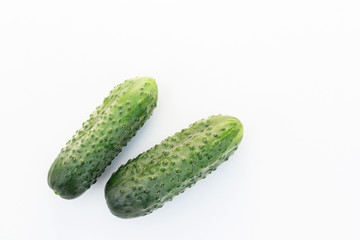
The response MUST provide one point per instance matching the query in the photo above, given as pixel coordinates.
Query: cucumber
(154, 177)
(96, 144)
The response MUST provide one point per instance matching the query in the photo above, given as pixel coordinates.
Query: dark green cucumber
(154, 177)
(96, 144)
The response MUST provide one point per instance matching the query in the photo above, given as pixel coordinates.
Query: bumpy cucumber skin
(154, 177)
(101, 138)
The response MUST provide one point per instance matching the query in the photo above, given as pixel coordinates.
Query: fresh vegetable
(101, 138)
(154, 177)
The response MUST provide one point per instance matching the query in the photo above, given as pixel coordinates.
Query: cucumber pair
(146, 182)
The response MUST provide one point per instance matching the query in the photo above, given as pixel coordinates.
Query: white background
(289, 70)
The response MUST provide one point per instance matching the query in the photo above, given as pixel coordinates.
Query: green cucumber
(96, 144)
(154, 177)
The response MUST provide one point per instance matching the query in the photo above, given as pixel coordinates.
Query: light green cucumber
(96, 144)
